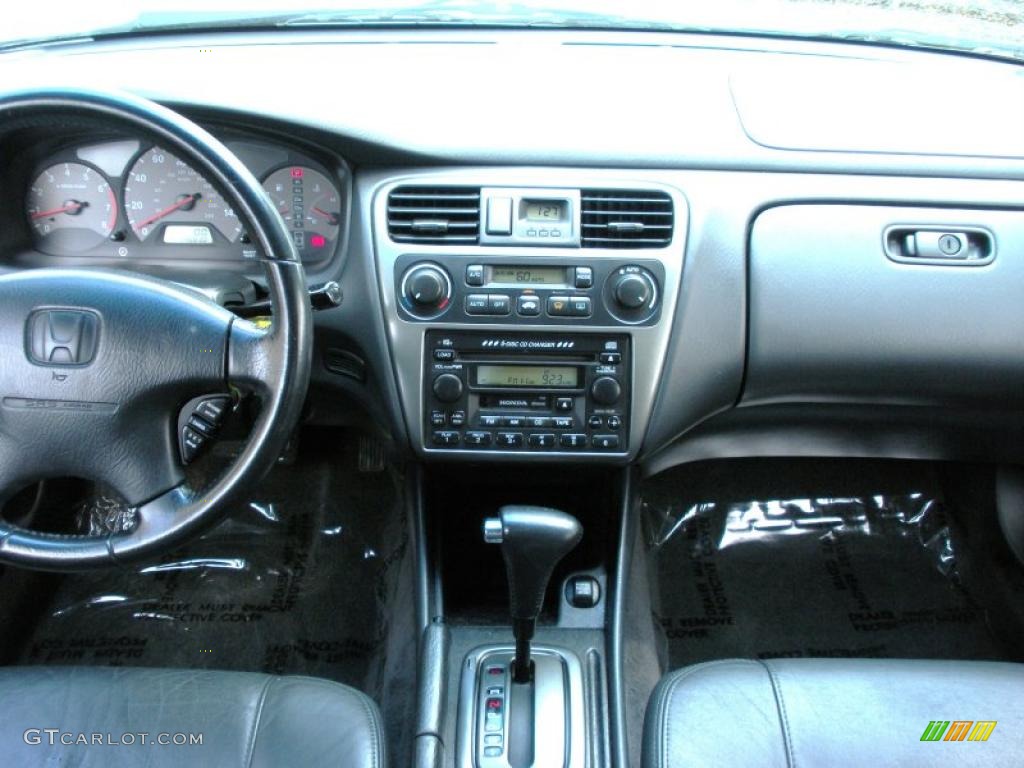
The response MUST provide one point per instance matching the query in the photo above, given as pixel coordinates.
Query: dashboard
(795, 303)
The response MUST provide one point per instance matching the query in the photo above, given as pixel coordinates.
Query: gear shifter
(533, 540)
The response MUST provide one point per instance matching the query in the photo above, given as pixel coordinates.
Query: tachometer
(164, 194)
(72, 206)
(310, 206)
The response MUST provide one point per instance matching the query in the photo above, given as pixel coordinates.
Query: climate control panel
(529, 392)
(528, 290)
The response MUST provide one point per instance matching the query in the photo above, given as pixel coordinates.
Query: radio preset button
(564, 404)
(475, 274)
(510, 439)
(446, 437)
(528, 306)
(478, 438)
(606, 442)
(544, 440)
(573, 440)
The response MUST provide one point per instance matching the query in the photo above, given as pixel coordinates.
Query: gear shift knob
(533, 540)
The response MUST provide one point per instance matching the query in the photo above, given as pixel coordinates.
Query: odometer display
(527, 376)
(161, 189)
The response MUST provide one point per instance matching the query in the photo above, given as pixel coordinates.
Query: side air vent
(625, 218)
(434, 215)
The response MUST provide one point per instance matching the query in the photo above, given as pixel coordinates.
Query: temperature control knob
(605, 390)
(633, 290)
(427, 286)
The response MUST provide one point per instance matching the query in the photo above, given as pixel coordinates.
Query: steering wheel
(135, 350)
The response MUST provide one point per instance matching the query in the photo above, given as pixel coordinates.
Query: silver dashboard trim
(406, 338)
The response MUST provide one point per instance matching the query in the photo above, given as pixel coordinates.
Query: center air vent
(624, 218)
(434, 215)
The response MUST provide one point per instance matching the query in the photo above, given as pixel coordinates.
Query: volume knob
(448, 387)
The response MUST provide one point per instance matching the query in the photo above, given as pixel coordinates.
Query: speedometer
(166, 195)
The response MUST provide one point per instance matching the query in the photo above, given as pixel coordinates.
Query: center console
(528, 311)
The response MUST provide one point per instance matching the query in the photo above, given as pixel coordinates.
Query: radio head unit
(527, 392)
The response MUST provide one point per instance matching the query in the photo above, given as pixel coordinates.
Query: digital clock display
(544, 210)
(527, 376)
(527, 275)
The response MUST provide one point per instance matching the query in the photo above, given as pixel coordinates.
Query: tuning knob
(633, 290)
(427, 287)
(605, 390)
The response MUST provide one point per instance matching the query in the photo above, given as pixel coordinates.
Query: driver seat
(96, 716)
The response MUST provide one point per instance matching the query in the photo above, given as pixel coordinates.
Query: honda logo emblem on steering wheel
(62, 336)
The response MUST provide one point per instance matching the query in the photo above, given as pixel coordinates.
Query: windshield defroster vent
(624, 218)
(434, 215)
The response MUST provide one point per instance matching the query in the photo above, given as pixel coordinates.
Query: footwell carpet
(865, 576)
(295, 581)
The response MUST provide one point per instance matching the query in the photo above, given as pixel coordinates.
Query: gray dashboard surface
(632, 99)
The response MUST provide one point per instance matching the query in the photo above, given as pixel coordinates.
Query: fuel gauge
(310, 206)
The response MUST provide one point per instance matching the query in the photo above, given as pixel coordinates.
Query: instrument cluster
(127, 200)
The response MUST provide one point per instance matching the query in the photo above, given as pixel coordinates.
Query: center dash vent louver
(434, 215)
(625, 218)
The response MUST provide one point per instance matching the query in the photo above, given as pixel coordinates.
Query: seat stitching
(780, 703)
(377, 739)
(251, 749)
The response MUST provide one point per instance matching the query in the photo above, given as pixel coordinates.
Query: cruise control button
(545, 440)
(191, 443)
(510, 440)
(477, 304)
(478, 438)
(572, 440)
(212, 409)
(200, 426)
(446, 437)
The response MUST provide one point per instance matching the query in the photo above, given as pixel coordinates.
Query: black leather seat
(831, 712)
(245, 719)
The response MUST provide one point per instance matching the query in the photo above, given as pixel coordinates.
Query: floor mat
(858, 576)
(296, 581)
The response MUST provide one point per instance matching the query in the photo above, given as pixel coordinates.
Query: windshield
(993, 26)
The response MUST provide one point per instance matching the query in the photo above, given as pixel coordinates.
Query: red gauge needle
(182, 203)
(329, 216)
(66, 208)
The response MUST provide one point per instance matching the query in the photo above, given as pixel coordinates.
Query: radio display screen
(527, 275)
(527, 376)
